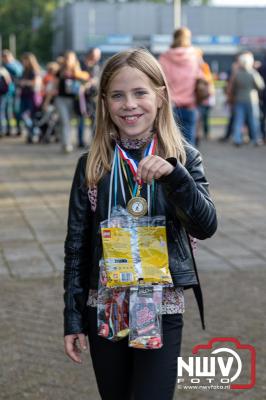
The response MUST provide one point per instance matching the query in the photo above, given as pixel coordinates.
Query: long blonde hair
(170, 142)
(31, 62)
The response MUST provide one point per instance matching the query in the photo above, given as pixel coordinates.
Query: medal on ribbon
(137, 205)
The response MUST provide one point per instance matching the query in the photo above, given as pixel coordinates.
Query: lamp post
(177, 14)
(12, 44)
(1, 48)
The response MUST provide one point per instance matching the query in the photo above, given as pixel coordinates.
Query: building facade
(221, 32)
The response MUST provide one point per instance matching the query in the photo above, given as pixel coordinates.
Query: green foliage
(31, 22)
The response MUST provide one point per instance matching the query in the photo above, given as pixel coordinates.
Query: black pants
(124, 373)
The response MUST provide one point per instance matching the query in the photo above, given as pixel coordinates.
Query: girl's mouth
(131, 118)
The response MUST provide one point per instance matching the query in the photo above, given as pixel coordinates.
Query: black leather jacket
(182, 197)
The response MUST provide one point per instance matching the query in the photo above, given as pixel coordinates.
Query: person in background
(11, 105)
(262, 71)
(30, 93)
(5, 82)
(230, 101)
(90, 64)
(69, 79)
(50, 83)
(181, 65)
(245, 85)
(205, 106)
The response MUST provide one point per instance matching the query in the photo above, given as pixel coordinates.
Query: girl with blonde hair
(30, 93)
(134, 115)
(69, 79)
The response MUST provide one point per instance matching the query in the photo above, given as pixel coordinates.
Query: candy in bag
(112, 310)
(145, 320)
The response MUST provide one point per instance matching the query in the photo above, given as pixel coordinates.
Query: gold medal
(137, 206)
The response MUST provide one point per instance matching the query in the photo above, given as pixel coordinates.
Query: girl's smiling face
(132, 103)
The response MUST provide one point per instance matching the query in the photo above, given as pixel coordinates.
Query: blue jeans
(8, 109)
(204, 112)
(81, 127)
(186, 119)
(246, 112)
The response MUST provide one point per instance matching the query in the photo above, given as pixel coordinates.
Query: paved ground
(34, 187)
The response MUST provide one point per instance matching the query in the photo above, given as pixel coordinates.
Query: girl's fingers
(155, 171)
(153, 167)
(82, 341)
(147, 168)
(71, 348)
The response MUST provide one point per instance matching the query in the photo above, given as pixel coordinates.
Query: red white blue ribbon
(133, 164)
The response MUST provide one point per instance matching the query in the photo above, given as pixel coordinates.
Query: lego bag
(135, 250)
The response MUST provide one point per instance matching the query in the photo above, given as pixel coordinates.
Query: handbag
(202, 90)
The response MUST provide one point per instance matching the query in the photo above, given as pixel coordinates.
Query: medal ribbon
(133, 164)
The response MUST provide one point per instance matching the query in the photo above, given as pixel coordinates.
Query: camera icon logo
(225, 363)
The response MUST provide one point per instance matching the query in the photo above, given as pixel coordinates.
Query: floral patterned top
(173, 300)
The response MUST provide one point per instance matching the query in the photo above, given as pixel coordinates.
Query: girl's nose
(130, 103)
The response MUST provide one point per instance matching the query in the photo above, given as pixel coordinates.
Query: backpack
(4, 82)
(202, 90)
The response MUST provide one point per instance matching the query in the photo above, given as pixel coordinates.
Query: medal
(137, 206)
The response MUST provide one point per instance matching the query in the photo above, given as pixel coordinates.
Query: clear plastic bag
(145, 320)
(112, 310)
(135, 249)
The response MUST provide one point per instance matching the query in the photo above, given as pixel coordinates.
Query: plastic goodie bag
(112, 309)
(134, 249)
(145, 319)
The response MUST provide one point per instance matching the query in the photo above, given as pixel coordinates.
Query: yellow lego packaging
(135, 251)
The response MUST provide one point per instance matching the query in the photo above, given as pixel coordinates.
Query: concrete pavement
(34, 187)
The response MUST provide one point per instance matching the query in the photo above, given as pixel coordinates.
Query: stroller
(46, 121)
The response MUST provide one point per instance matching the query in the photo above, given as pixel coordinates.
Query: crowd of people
(45, 101)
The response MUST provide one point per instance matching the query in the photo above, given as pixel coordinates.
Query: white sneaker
(68, 148)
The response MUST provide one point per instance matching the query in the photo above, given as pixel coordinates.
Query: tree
(31, 22)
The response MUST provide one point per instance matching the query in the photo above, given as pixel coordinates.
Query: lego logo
(107, 234)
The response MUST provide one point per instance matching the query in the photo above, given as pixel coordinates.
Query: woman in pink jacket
(181, 65)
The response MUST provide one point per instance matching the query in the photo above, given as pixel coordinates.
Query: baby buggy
(46, 121)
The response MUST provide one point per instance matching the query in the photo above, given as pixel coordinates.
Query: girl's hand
(73, 349)
(153, 167)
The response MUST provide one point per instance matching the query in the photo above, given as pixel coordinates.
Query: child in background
(206, 105)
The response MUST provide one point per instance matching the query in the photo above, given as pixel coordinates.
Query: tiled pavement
(34, 186)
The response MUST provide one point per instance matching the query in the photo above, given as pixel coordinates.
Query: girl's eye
(140, 93)
(116, 96)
